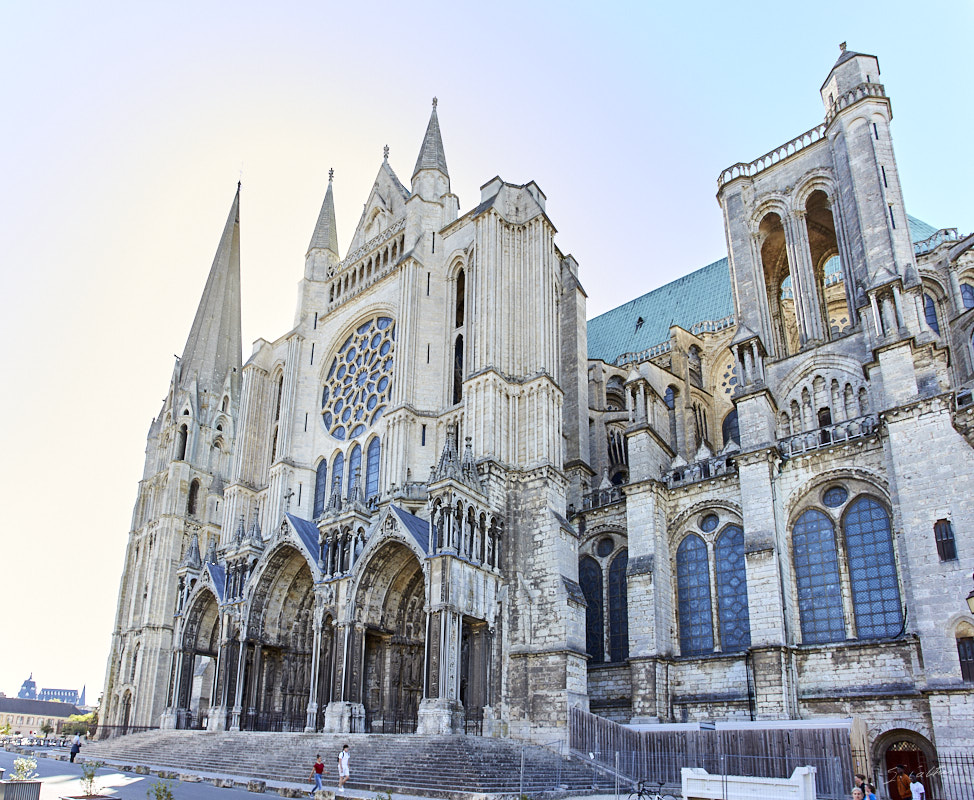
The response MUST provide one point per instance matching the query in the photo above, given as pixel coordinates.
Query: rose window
(359, 381)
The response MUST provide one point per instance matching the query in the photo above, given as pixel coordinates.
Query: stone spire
(449, 466)
(193, 560)
(431, 155)
(325, 236)
(211, 556)
(256, 537)
(214, 344)
(469, 466)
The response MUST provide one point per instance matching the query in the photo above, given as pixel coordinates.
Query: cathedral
(446, 502)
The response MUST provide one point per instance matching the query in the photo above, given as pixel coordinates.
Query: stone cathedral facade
(444, 502)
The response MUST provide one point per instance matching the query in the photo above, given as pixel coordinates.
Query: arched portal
(277, 677)
(195, 663)
(390, 603)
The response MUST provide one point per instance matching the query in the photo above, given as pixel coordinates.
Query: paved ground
(62, 779)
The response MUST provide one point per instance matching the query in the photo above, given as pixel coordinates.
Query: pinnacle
(325, 236)
(431, 155)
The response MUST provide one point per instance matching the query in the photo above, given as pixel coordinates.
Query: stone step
(390, 762)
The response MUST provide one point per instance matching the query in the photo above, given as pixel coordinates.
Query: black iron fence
(278, 721)
(112, 731)
(399, 722)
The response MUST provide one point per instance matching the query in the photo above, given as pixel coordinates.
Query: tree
(46, 728)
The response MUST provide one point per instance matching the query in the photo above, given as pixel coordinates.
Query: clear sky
(125, 127)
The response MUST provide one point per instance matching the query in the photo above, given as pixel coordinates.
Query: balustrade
(828, 435)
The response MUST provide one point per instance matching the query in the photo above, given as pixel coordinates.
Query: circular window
(359, 382)
(835, 496)
(709, 523)
(605, 546)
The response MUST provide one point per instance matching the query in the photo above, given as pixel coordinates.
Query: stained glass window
(967, 295)
(817, 574)
(618, 608)
(359, 382)
(930, 313)
(731, 429)
(372, 469)
(875, 590)
(321, 489)
(732, 613)
(354, 469)
(338, 473)
(590, 579)
(693, 596)
(835, 496)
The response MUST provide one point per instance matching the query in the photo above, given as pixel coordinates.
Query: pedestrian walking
(342, 769)
(902, 783)
(316, 771)
(917, 788)
(75, 747)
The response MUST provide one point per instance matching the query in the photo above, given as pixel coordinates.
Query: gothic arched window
(930, 313)
(321, 489)
(338, 473)
(875, 589)
(730, 429)
(817, 574)
(458, 370)
(192, 502)
(181, 443)
(372, 469)
(693, 597)
(618, 608)
(732, 613)
(354, 470)
(461, 298)
(967, 295)
(590, 579)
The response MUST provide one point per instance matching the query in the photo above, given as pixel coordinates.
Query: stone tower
(180, 505)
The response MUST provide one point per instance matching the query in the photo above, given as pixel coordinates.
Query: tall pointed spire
(214, 343)
(431, 155)
(325, 236)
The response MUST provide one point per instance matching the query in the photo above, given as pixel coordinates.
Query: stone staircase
(409, 764)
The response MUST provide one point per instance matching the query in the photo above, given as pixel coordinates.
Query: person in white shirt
(342, 768)
(919, 793)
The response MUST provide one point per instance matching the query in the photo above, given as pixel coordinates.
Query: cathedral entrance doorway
(390, 599)
(195, 663)
(277, 679)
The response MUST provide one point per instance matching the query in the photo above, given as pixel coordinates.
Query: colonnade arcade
(302, 651)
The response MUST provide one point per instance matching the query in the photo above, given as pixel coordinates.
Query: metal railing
(828, 435)
(949, 775)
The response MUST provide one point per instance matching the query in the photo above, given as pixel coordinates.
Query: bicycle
(641, 791)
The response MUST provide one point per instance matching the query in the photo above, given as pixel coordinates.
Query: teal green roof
(919, 230)
(702, 296)
(697, 297)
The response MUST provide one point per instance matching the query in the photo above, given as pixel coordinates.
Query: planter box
(20, 790)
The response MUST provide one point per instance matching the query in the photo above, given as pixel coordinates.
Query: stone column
(312, 713)
(238, 693)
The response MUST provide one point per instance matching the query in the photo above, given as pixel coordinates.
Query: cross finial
(385, 152)
(331, 174)
(434, 102)
(842, 47)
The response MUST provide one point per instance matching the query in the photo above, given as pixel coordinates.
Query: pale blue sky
(126, 126)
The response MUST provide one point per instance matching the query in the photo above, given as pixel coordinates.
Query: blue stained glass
(732, 611)
(693, 596)
(321, 489)
(709, 523)
(967, 295)
(817, 575)
(354, 468)
(359, 377)
(327, 419)
(930, 313)
(590, 579)
(372, 468)
(338, 471)
(618, 608)
(872, 565)
(835, 496)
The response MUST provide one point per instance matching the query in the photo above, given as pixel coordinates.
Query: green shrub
(160, 790)
(25, 769)
(88, 769)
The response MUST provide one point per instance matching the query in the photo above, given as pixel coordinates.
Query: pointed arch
(817, 574)
(321, 489)
(618, 607)
(875, 588)
(732, 607)
(693, 597)
(354, 469)
(590, 579)
(372, 468)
